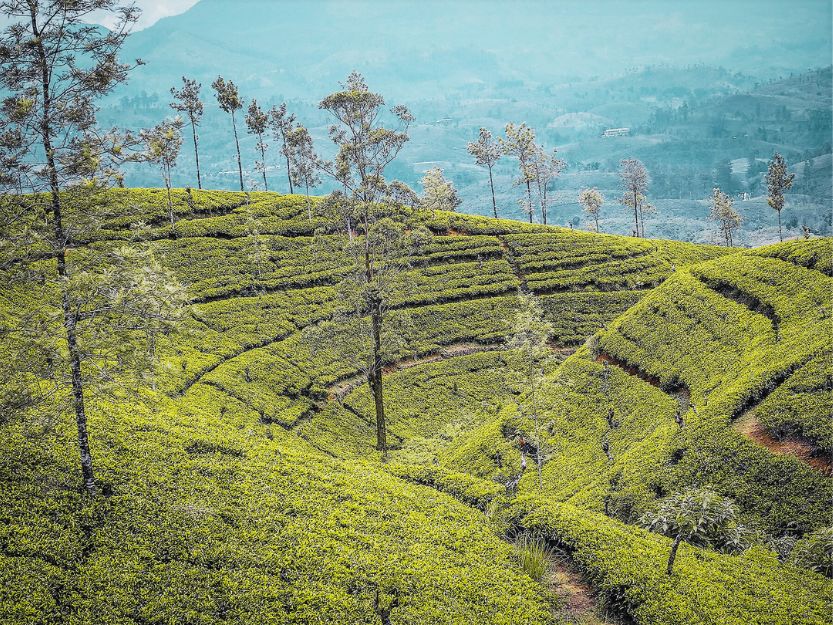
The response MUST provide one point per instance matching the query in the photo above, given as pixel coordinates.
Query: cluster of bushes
(814, 254)
(564, 261)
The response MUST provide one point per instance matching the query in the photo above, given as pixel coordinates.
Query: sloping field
(242, 484)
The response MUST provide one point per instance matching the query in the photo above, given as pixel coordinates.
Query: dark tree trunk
(529, 200)
(196, 152)
(263, 160)
(635, 213)
(597, 223)
(167, 175)
(375, 380)
(492, 186)
(286, 155)
(237, 145)
(673, 555)
(780, 232)
(60, 243)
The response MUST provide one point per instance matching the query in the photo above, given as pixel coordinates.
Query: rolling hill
(241, 484)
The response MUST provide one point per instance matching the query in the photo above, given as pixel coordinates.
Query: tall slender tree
(591, 201)
(187, 101)
(282, 122)
(486, 153)
(53, 67)
(162, 145)
(519, 142)
(365, 149)
(229, 100)
(778, 180)
(724, 214)
(545, 168)
(305, 162)
(530, 336)
(257, 122)
(634, 180)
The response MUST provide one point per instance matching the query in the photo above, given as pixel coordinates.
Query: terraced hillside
(242, 485)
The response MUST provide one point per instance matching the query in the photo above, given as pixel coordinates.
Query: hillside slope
(242, 485)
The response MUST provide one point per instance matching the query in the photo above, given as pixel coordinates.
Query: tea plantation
(241, 484)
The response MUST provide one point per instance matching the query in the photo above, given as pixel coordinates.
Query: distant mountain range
(698, 85)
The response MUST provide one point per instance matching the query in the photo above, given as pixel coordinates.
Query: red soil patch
(750, 427)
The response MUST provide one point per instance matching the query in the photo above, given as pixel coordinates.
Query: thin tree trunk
(166, 174)
(641, 221)
(597, 223)
(780, 233)
(196, 152)
(635, 213)
(309, 207)
(237, 145)
(263, 161)
(492, 185)
(673, 555)
(70, 318)
(286, 155)
(376, 381)
(529, 200)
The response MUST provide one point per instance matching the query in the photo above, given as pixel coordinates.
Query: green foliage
(246, 486)
(626, 565)
(533, 555)
(815, 552)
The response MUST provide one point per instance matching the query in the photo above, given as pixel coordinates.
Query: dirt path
(576, 596)
(750, 427)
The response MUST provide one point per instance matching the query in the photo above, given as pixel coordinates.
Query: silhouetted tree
(229, 100)
(486, 153)
(187, 100)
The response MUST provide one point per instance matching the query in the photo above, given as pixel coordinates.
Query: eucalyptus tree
(54, 65)
(519, 143)
(229, 100)
(257, 122)
(162, 145)
(634, 180)
(282, 123)
(591, 201)
(187, 101)
(530, 337)
(486, 153)
(778, 180)
(437, 192)
(305, 164)
(365, 149)
(723, 212)
(544, 168)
